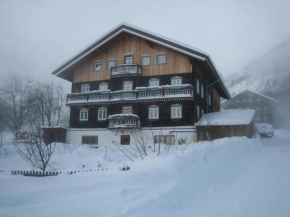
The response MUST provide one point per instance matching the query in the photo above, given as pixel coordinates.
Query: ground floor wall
(103, 136)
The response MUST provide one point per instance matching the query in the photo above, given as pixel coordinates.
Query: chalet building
(134, 79)
(265, 107)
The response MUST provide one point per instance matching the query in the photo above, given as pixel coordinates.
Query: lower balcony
(123, 121)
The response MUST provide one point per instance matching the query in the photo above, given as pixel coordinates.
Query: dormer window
(161, 59)
(154, 82)
(97, 66)
(128, 59)
(85, 88)
(103, 86)
(146, 60)
(110, 64)
(176, 80)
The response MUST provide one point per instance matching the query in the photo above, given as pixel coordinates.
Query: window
(103, 86)
(176, 80)
(128, 85)
(125, 139)
(161, 59)
(146, 60)
(209, 99)
(202, 113)
(102, 114)
(153, 112)
(127, 109)
(128, 59)
(202, 91)
(111, 63)
(153, 82)
(176, 111)
(197, 86)
(90, 140)
(197, 112)
(85, 88)
(84, 114)
(97, 66)
(166, 139)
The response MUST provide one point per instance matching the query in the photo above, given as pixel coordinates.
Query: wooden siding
(217, 132)
(176, 62)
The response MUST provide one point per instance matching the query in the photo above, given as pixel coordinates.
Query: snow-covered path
(233, 177)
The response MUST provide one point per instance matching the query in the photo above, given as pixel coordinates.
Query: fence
(48, 173)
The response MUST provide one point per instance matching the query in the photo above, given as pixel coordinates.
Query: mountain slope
(270, 74)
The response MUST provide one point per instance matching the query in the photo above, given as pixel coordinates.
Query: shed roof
(227, 117)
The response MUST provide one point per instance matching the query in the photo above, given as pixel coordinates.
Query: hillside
(270, 74)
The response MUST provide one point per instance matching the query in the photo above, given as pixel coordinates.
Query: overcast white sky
(37, 36)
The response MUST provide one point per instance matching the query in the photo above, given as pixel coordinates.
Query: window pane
(128, 85)
(111, 64)
(146, 61)
(154, 82)
(161, 59)
(129, 60)
(98, 66)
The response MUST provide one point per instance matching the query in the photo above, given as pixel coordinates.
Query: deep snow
(232, 177)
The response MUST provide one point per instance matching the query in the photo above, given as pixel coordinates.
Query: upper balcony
(125, 70)
(140, 94)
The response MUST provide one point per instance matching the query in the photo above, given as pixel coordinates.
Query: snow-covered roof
(227, 117)
(116, 116)
(150, 36)
(252, 91)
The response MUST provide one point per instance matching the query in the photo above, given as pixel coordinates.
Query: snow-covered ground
(232, 177)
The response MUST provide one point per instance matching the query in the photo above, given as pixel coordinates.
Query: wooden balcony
(141, 94)
(123, 121)
(126, 70)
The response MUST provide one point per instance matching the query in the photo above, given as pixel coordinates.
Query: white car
(265, 130)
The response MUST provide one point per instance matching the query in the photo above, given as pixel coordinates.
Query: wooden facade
(217, 132)
(178, 103)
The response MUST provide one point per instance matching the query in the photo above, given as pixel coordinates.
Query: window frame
(162, 54)
(111, 60)
(102, 109)
(84, 86)
(154, 80)
(129, 80)
(84, 110)
(129, 55)
(123, 137)
(197, 112)
(90, 138)
(146, 56)
(102, 84)
(202, 91)
(153, 107)
(197, 86)
(171, 111)
(94, 68)
(176, 78)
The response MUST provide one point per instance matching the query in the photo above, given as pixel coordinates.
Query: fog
(38, 36)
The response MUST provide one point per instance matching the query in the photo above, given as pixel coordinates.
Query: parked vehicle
(265, 130)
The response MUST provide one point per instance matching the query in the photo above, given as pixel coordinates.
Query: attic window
(97, 66)
(161, 59)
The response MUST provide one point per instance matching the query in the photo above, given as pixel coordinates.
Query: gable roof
(254, 92)
(227, 117)
(158, 39)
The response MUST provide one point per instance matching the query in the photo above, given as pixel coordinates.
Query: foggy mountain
(270, 74)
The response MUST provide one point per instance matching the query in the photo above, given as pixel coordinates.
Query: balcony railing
(126, 70)
(117, 95)
(141, 93)
(123, 121)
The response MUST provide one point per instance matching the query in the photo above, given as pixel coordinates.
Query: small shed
(54, 134)
(226, 123)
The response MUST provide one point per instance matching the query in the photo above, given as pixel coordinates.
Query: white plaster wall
(106, 137)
